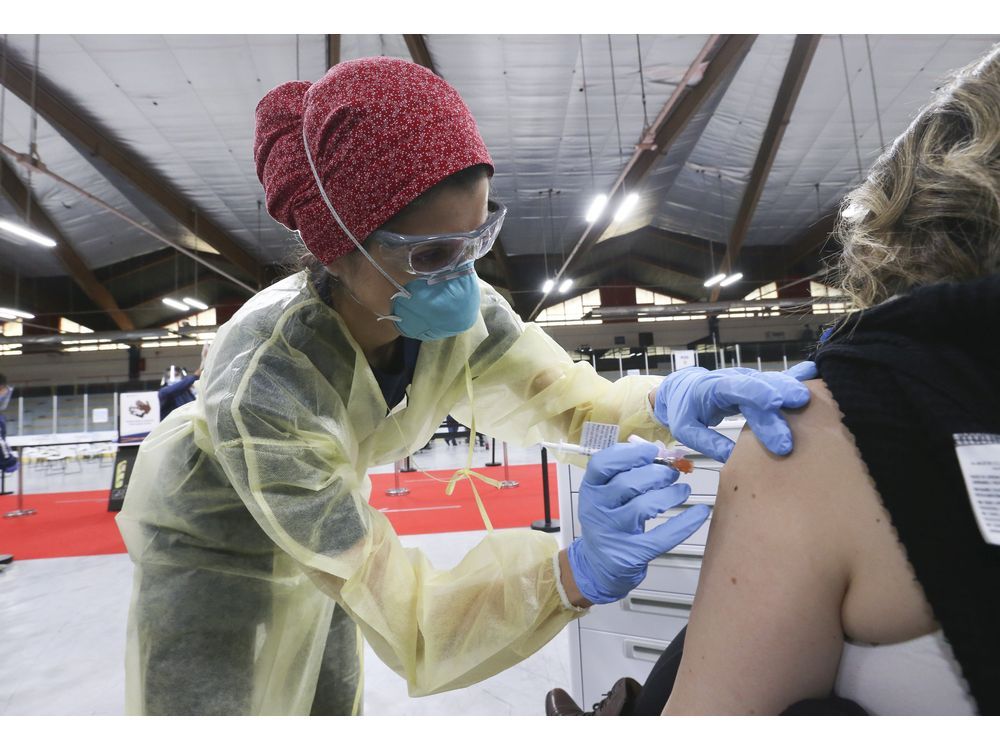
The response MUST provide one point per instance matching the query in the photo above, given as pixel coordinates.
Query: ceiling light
(175, 304)
(715, 279)
(11, 314)
(547, 286)
(195, 303)
(597, 207)
(627, 205)
(19, 230)
(564, 287)
(731, 279)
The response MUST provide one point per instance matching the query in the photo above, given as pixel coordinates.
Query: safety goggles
(431, 254)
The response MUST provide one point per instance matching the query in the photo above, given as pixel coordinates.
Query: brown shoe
(616, 702)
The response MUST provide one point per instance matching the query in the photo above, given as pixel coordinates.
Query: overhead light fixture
(564, 287)
(547, 286)
(19, 230)
(11, 314)
(627, 205)
(175, 304)
(596, 208)
(731, 279)
(715, 279)
(197, 304)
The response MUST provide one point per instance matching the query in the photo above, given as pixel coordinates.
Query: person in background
(176, 389)
(453, 426)
(8, 461)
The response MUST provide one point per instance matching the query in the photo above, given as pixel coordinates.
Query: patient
(855, 567)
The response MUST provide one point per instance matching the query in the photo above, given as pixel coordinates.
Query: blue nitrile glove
(621, 490)
(691, 400)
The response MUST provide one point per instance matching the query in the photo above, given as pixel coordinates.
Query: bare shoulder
(823, 494)
(823, 464)
(765, 629)
(800, 552)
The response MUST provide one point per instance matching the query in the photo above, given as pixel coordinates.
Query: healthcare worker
(258, 558)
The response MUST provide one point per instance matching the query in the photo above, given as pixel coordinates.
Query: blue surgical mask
(438, 308)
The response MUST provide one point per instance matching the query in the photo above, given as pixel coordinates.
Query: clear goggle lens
(436, 253)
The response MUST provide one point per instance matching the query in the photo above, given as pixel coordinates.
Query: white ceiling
(184, 105)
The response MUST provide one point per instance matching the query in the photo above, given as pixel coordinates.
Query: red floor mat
(427, 510)
(68, 524)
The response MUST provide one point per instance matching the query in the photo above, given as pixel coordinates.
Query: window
(201, 319)
(768, 291)
(571, 311)
(833, 308)
(649, 297)
(68, 326)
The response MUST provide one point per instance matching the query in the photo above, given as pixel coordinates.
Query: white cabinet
(626, 638)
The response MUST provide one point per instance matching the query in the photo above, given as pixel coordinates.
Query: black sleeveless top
(908, 375)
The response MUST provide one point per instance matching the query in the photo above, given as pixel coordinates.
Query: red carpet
(68, 524)
(427, 510)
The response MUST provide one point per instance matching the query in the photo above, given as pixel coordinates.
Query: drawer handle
(682, 557)
(643, 651)
(659, 604)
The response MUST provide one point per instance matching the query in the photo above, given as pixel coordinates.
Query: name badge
(979, 458)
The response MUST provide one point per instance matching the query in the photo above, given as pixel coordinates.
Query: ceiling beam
(718, 59)
(332, 50)
(17, 193)
(418, 50)
(781, 113)
(124, 169)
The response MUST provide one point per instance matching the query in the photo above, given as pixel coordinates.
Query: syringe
(683, 465)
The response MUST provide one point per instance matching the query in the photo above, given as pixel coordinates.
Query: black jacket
(908, 375)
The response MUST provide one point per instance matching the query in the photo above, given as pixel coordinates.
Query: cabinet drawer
(702, 481)
(698, 538)
(674, 573)
(607, 657)
(643, 613)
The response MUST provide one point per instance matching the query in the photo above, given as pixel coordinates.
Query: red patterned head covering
(381, 131)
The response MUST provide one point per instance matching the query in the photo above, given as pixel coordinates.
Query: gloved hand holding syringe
(596, 437)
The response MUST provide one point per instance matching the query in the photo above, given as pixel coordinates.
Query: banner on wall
(138, 414)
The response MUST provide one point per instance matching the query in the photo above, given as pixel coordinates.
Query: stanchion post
(407, 466)
(546, 525)
(397, 490)
(21, 510)
(493, 461)
(507, 482)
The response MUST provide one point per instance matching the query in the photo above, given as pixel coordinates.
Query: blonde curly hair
(929, 209)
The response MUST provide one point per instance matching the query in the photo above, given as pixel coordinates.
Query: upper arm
(765, 630)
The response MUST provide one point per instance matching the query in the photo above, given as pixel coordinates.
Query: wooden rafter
(332, 50)
(103, 151)
(717, 60)
(784, 103)
(17, 193)
(417, 46)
